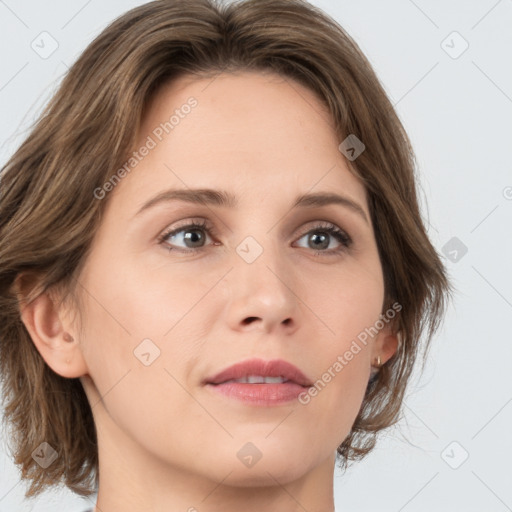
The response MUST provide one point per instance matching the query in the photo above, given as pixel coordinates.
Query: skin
(165, 441)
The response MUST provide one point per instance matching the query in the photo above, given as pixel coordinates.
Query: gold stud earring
(378, 362)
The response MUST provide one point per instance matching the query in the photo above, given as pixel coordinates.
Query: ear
(385, 345)
(52, 335)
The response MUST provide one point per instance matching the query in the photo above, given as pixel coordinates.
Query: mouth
(259, 382)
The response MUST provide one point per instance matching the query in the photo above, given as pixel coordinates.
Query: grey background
(458, 113)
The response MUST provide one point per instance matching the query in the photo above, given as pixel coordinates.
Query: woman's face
(169, 306)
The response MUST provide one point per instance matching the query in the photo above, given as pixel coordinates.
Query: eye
(326, 238)
(193, 235)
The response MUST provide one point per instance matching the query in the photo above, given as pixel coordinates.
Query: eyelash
(326, 227)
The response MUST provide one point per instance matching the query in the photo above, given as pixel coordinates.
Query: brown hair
(49, 214)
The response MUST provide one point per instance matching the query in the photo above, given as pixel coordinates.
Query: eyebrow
(207, 196)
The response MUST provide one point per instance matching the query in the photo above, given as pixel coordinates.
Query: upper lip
(272, 368)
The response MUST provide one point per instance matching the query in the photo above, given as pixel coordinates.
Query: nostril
(249, 319)
(287, 321)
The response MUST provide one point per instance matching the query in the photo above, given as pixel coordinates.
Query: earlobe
(385, 346)
(51, 337)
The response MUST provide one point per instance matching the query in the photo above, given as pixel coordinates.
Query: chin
(268, 474)
(269, 465)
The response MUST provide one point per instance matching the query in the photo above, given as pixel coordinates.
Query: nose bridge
(263, 268)
(262, 285)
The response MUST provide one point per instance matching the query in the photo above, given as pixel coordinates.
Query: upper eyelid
(207, 224)
(318, 224)
(187, 223)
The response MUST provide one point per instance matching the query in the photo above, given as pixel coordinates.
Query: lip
(263, 394)
(272, 368)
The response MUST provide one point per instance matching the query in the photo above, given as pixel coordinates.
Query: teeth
(255, 379)
(258, 379)
(274, 380)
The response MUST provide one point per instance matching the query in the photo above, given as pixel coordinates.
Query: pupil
(194, 237)
(323, 240)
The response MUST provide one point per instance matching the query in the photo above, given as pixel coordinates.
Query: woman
(214, 272)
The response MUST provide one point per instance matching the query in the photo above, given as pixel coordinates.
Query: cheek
(137, 372)
(336, 397)
(145, 326)
(157, 299)
(348, 299)
(349, 304)
(148, 300)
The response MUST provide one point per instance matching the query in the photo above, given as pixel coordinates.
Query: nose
(262, 295)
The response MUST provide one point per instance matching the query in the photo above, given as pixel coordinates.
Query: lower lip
(260, 394)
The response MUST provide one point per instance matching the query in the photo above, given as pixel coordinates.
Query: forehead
(250, 132)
